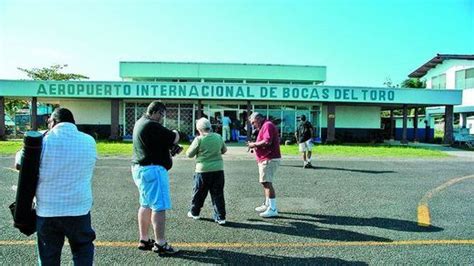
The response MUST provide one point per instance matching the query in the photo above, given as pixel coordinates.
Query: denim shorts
(153, 186)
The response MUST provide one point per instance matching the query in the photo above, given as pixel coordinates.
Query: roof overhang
(438, 59)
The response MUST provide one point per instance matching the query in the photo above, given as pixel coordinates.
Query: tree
(12, 106)
(389, 84)
(51, 73)
(46, 73)
(413, 83)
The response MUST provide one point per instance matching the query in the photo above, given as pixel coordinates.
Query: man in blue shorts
(151, 161)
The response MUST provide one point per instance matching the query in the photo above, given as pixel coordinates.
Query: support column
(404, 130)
(462, 120)
(392, 125)
(249, 127)
(448, 124)
(415, 126)
(199, 110)
(114, 119)
(34, 113)
(427, 128)
(331, 120)
(2, 118)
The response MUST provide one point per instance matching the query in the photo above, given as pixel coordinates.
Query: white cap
(255, 115)
(203, 124)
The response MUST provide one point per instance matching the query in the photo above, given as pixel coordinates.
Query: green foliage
(389, 84)
(51, 73)
(413, 83)
(439, 133)
(13, 105)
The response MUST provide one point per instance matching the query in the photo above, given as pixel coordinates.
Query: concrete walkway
(447, 149)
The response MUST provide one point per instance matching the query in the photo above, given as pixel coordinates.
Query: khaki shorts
(267, 170)
(306, 146)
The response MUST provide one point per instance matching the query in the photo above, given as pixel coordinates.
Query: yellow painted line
(423, 215)
(423, 209)
(270, 245)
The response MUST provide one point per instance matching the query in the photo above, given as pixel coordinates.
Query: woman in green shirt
(208, 148)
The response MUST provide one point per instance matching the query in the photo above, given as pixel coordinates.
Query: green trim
(457, 109)
(220, 71)
(227, 91)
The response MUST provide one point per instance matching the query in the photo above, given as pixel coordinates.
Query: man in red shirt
(267, 153)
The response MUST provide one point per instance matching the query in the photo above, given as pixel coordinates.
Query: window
(438, 82)
(465, 79)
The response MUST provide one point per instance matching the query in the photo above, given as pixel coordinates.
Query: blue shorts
(153, 185)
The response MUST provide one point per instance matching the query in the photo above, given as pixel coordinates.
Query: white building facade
(450, 72)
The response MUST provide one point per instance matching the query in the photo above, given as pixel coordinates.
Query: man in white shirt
(64, 191)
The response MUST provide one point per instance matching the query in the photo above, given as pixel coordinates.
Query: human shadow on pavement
(215, 256)
(341, 169)
(385, 223)
(304, 229)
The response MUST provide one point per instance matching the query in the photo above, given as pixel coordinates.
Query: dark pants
(212, 182)
(51, 232)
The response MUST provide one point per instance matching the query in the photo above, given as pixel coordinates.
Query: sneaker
(308, 165)
(165, 249)
(146, 244)
(220, 222)
(195, 217)
(269, 213)
(261, 208)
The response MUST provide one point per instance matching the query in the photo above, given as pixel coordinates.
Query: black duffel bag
(23, 211)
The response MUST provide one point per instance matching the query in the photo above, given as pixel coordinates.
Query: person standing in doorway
(151, 162)
(226, 121)
(236, 125)
(267, 153)
(208, 148)
(304, 137)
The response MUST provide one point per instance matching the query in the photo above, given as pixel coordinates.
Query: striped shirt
(68, 158)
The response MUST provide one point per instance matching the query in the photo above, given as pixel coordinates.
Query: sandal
(146, 244)
(165, 249)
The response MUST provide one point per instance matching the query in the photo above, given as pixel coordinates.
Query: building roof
(145, 71)
(438, 59)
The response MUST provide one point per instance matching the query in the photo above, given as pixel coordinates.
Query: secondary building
(450, 72)
(191, 90)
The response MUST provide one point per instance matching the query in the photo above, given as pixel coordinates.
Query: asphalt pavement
(344, 211)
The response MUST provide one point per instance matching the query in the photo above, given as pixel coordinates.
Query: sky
(361, 42)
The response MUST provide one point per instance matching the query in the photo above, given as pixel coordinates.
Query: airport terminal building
(283, 93)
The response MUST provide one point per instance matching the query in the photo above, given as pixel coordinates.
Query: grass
(124, 149)
(106, 148)
(362, 150)
(10, 147)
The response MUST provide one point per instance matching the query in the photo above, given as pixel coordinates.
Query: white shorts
(306, 146)
(267, 170)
